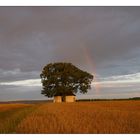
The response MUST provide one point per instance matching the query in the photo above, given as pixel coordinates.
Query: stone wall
(70, 99)
(57, 99)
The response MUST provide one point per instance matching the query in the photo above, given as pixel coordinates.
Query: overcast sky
(104, 41)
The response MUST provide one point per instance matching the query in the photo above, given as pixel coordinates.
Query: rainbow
(91, 66)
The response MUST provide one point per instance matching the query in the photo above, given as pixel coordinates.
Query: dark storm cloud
(20, 93)
(17, 74)
(31, 37)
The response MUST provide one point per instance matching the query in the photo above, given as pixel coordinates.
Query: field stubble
(83, 117)
(11, 115)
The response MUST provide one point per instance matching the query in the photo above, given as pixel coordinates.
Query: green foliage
(64, 79)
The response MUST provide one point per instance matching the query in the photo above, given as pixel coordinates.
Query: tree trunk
(63, 98)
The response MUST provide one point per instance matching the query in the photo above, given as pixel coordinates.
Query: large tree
(64, 79)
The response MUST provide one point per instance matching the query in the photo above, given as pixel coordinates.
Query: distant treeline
(26, 101)
(134, 98)
(78, 100)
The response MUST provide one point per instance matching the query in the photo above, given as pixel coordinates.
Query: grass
(70, 118)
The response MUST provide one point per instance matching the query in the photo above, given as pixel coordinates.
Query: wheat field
(97, 117)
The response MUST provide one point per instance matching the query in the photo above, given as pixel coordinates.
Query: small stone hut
(68, 98)
(57, 99)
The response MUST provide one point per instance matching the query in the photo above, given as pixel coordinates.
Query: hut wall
(70, 99)
(57, 99)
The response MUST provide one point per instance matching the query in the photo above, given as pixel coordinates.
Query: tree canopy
(64, 79)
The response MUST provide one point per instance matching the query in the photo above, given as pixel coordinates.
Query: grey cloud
(17, 74)
(121, 78)
(35, 36)
(108, 95)
(106, 39)
(20, 93)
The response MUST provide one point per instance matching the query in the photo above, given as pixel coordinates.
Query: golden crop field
(71, 118)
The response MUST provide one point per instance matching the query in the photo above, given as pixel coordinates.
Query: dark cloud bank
(105, 40)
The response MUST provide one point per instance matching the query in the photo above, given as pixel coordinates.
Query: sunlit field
(79, 117)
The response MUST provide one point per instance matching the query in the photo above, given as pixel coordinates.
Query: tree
(64, 79)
